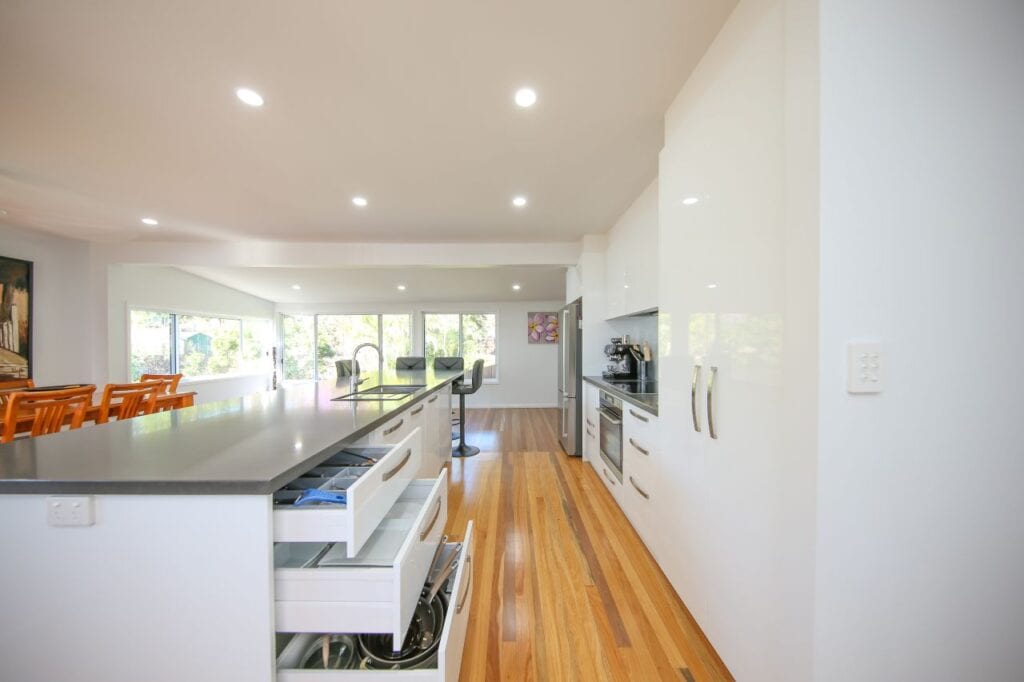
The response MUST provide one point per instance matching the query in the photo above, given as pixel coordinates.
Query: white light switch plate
(864, 367)
(70, 511)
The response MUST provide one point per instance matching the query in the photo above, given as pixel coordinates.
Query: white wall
(167, 288)
(527, 373)
(921, 544)
(61, 315)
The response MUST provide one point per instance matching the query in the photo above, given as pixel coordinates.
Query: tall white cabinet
(732, 318)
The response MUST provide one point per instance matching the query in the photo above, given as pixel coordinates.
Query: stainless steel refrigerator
(570, 377)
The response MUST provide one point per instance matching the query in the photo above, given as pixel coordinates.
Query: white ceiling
(380, 285)
(116, 110)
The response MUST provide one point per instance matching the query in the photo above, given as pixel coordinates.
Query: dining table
(164, 401)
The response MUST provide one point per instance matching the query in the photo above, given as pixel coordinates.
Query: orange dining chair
(171, 381)
(133, 400)
(12, 385)
(49, 410)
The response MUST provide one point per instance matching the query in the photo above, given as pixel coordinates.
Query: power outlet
(70, 511)
(864, 367)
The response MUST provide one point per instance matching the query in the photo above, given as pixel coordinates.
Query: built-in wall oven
(611, 433)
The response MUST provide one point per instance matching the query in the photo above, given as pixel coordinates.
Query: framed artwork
(542, 327)
(15, 319)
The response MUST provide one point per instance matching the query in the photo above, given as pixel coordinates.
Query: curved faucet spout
(354, 381)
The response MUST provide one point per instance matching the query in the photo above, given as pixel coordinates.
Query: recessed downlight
(526, 97)
(250, 97)
(712, 286)
(690, 201)
(401, 287)
(516, 287)
(152, 222)
(519, 201)
(297, 287)
(361, 202)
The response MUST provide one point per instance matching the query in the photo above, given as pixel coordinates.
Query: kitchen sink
(383, 392)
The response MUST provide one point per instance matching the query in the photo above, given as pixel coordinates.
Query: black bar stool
(410, 362)
(448, 363)
(344, 367)
(462, 389)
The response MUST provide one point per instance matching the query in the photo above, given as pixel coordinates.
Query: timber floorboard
(564, 588)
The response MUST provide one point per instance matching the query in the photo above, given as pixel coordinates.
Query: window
(338, 335)
(197, 345)
(299, 347)
(151, 340)
(208, 346)
(474, 336)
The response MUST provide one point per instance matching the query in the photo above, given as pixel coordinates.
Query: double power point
(70, 511)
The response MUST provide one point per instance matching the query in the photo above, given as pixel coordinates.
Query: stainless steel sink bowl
(383, 392)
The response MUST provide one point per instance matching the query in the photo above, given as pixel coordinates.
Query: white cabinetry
(631, 262)
(591, 425)
(731, 327)
(642, 494)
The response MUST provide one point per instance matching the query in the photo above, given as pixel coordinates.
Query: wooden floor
(563, 588)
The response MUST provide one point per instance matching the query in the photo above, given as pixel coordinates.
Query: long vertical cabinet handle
(693, 397)
(711, 410)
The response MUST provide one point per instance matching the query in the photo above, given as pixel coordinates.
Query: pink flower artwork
(543, 327)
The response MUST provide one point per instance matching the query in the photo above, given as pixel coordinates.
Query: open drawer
(318, 588)
(369, 497)
(444, 667)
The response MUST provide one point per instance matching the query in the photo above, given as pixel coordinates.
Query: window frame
(380, 335)
(461, 313)
(174, 313)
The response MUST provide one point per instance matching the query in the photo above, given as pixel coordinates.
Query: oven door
(611, 441)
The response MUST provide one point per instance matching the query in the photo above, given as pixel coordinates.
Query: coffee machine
(621, 362)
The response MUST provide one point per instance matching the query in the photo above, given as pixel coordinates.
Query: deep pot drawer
(368, 500)
(448, 664)
(318, 588)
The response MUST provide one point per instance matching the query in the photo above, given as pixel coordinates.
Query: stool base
(465, 451)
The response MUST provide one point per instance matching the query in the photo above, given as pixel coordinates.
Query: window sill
(222, 377)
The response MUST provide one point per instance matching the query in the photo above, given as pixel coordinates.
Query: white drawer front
(368, 500)
(450, 649)
(378, 589)
(398, 428)
(639, 421)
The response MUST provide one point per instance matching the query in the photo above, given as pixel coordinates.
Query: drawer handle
(469, 585)
(639, 489)
(433, 398)
(589, 433)
(608, 476)
(437, 513)
(590, 423)
(417, 410)
(388, 432)
(638, 448)
(391, 474)
(639, 416)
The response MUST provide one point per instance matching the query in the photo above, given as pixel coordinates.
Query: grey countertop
(645, 401)
(242, 446)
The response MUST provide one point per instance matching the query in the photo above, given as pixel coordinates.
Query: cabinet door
(616, 283)
(742, 523)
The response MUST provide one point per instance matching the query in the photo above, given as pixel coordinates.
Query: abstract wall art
(543, 327)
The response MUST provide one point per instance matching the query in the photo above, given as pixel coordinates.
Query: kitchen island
(145, 549)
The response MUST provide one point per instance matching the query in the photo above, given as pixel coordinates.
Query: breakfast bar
(164, 547)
